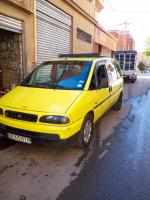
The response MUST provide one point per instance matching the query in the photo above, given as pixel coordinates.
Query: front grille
(21, 116)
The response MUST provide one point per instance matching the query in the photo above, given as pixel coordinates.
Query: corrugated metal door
(10, 24)
(53, 31)
(11, 53)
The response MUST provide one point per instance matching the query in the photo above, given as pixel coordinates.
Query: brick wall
(10, 61)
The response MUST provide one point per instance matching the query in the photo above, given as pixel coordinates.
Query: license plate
(19, 138)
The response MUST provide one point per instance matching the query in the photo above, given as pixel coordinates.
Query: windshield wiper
(40, 85)
(61, 87)
(50, 86)
(46, 85)
(26, 85)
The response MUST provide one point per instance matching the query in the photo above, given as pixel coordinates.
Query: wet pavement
(121, 169)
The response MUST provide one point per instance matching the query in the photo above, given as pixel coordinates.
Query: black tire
(118, 104)
(86, 131)
(5, 142)
(133, 80)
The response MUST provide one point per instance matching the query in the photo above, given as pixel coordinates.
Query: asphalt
(120, 170)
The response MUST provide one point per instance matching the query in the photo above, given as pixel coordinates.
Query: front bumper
(31, 134)
(36, 136)
(131, 77)
(39, 130)
(129, 74)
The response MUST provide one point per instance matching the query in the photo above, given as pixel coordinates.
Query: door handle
(110, 88)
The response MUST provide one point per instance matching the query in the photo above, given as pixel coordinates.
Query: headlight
(54, 119)
(1, 111)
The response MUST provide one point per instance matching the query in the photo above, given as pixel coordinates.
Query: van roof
(83, 57)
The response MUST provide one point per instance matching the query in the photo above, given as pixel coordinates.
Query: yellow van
(62, 99)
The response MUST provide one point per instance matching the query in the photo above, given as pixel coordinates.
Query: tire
(5, 142)
(86, 131)
(118, 104)
(133, 80)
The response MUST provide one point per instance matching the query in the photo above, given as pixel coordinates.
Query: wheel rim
(87, 131)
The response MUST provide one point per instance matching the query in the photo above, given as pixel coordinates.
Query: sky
(136, 13)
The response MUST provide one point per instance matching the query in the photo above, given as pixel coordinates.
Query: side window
(112, 73)
(117, 67)
(101, 75)
(99, 78)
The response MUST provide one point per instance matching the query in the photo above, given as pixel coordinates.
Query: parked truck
(128, 64)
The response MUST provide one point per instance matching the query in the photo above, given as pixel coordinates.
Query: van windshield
(71, 75)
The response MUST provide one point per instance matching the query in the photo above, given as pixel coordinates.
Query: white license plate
(19, 138)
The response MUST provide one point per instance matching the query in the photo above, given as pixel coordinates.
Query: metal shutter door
(53, 31)
(10, 24)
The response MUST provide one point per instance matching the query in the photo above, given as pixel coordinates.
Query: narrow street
(116, 166)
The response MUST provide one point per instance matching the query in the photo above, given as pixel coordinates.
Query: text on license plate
(19, 138)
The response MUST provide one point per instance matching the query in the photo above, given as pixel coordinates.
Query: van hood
(40, 99)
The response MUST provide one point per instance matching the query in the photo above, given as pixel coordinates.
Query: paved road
(112, 168)
(122, 170)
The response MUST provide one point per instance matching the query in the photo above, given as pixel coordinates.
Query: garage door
(53, 31)
(10, 24)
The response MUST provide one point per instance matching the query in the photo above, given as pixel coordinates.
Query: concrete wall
(105, 39)
(25, 4)
(87, 5)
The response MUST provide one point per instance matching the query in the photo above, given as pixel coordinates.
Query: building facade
(36, 30)
(104, 42)
(125, 40)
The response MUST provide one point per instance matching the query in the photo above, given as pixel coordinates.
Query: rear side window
(117, 67)
(112, 73)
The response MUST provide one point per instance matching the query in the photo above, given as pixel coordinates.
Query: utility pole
(125, 24)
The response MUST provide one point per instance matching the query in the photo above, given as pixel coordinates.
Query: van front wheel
(85, 134)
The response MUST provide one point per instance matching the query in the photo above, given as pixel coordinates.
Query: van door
(99, 83)
(114, 83)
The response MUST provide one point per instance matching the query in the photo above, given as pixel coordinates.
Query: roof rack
(80, 55)
(125, 51)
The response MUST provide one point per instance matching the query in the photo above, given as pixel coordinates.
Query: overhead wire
(113, 10)
(129, 11)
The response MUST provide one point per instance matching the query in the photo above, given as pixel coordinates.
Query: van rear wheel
(85, 134)
(133, 80)
(118, 104)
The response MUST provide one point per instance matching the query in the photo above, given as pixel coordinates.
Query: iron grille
(21, 116)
